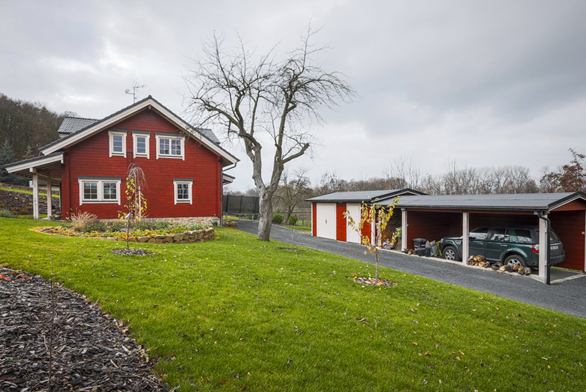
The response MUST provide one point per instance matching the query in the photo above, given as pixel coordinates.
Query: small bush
(6, 214)
(94, 226)
(192, 227)
(81, 219)
(278, 218)
(152, 225)
(292, 220)
(115, 226)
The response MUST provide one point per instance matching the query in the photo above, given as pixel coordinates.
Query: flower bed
(173, 235)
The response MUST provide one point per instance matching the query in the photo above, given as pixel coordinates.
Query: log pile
(478, 261)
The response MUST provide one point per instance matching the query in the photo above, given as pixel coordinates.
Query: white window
(99, 190)
(170, 146)
(141, 144)
(183, 187)
(117, 143)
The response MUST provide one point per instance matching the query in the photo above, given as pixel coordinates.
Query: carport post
(403, 229)
(543, 248)
(465, 236)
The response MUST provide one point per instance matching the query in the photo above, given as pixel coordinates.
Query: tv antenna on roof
(134, 88)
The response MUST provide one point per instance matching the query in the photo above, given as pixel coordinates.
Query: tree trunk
(265, 220)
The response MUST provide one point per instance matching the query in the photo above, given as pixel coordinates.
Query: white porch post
(35, 194)
(403, 229)
(543, 247)
(49, 206)
(465, 236)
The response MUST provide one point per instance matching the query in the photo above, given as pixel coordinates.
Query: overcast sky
(479, 83)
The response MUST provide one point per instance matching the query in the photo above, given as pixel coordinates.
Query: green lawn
(238, 312)
(27, 192)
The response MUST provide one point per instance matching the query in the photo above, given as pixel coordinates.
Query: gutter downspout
(222, 198)
(547, 263)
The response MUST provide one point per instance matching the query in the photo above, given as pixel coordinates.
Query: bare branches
(249, 95)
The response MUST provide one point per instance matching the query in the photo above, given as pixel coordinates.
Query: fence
(241, 204)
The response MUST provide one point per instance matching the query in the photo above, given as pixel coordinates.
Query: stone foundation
(197, 220)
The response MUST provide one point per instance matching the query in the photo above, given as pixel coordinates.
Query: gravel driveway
(567, 294)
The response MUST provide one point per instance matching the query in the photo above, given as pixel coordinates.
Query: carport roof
(508, 202)
(361, 196)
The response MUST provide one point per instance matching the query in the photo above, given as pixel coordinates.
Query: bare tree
(291, 192)
(251, 98)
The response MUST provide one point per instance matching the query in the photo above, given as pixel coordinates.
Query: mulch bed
(374, 282)
(91, 351)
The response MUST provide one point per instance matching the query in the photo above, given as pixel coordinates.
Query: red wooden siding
(91, 158)
(432, 225)
(569, 226)
(576, 205)
(314, 218)
(340, 222)
(366, 231)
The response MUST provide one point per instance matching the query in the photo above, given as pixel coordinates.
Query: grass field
(27, 192)
(238, 312)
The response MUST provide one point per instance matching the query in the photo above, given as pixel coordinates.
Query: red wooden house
(183, 165)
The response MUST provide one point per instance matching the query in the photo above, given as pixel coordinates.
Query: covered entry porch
(47, 168)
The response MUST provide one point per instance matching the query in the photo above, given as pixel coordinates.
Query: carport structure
(434, 217)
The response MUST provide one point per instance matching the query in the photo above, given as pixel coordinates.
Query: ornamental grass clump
(81, 219)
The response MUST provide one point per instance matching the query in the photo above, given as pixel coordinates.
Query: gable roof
(362, 196)
(504, 202)
(204, 136)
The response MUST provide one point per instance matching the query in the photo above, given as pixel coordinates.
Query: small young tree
(378, 214)
(137, 203)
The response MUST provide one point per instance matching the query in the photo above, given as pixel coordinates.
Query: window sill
(171, 156)
(100, 202)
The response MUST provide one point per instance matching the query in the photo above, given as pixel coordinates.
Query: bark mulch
(91, 350)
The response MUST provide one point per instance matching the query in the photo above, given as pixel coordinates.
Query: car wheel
(515, 260)
(450, 253)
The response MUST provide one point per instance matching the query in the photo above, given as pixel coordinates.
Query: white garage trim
(351, 234)
(326, 220)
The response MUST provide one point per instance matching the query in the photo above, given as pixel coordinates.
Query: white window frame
(100, 181)
(170, 136)
(182, 181)
(135, 136)
(111, 134)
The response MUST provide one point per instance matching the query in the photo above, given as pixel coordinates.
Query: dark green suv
(509, 245)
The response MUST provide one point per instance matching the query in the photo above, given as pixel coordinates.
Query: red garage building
(183, 165)
(327, 212)
(434, 217)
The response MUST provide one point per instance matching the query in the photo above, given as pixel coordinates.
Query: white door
(326, 220)
(351, 234)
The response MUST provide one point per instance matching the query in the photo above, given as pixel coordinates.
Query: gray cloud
(485, 83)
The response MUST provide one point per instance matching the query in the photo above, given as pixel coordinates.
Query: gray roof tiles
(518, 201)
(74, 124)
(361, 196)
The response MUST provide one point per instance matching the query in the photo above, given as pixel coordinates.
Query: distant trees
(27, 126)
(568, 178)
(292, 192)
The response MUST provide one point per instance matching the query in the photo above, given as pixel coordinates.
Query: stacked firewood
(479, 261)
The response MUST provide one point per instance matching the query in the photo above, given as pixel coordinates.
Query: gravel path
(567, 296)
